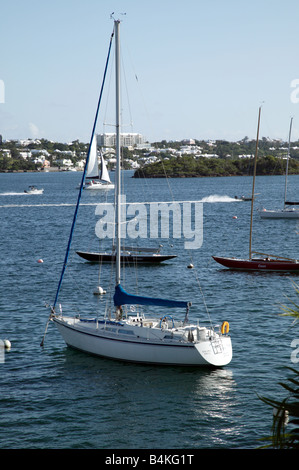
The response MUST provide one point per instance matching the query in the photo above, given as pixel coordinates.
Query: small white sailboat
(127, 334)
(93, 179)
(287, 212)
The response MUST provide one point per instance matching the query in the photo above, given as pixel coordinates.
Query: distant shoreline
(188, 167)
(205, 176)
(49, 170)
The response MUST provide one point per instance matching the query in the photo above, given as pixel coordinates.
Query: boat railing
(138, 249)
(274, 256)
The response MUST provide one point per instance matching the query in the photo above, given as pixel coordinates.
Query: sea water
(55, 397)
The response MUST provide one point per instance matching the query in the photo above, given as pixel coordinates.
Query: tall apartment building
(126, 140)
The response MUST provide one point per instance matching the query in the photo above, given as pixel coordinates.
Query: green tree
(285, 426)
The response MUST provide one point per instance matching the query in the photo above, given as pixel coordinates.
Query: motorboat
(33, 190)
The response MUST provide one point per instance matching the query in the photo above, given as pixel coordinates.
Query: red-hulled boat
(265, 262)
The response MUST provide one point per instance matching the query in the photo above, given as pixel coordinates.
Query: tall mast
(253, 184)
(117, 122)
(287, 167)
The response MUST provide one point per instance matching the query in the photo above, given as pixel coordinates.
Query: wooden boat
(130, 255)
(266, 263)
(263, 263)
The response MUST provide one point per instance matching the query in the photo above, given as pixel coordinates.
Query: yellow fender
(225, 328)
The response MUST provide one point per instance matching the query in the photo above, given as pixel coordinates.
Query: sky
(191, 69)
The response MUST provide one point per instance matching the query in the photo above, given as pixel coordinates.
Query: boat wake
(216, 198)
(209, 199)
(13, 194)
(48, 205)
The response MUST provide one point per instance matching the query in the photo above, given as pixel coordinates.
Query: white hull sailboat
(137, 340)
(136, 337)
(287, 212)
(93, 184)
(95, 181)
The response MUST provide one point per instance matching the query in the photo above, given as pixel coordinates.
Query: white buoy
(6, 344)
(99, 291)
(190, 266)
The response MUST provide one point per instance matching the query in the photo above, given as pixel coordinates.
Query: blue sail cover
(121, 297)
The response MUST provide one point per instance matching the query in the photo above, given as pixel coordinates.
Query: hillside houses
(42, 154)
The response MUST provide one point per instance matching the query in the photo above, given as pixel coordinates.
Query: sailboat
(264, 262)
(131, 335)
(93, 179)
(287, 212)
(130, 255)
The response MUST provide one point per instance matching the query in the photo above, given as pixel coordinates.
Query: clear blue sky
(203, 67)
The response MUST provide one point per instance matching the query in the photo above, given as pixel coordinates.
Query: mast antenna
(112, 17)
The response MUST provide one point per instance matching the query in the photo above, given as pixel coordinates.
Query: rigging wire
(127, 95)
(201, 291)
(81, 187)
(83, 176)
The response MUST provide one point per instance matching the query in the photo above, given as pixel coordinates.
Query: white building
(126, 140)
(40, 152)
(66, 162)
(6, 152)
(26, 154)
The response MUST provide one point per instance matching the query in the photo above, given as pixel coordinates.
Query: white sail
(93, 167)
(104, 172)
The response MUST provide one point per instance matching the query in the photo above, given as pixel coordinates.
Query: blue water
(54, 397)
